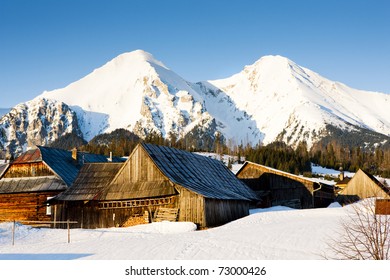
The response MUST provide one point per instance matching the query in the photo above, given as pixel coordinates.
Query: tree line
(277, 155)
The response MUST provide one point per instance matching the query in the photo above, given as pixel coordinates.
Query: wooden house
(36, 176)
(277, 187)
(201, 190)
(363, 185)
(78, 203)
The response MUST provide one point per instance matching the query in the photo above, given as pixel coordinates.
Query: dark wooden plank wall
(25, 206)
(28, 170)
(283, 187)
(252, 171)
(219, 212)
(90, 215)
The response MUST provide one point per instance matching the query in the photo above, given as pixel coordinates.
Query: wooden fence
(43, 223)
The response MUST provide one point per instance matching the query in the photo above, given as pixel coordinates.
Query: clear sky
(47, 44)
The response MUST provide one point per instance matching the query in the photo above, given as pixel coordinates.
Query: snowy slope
(271, 234)
(293, 103)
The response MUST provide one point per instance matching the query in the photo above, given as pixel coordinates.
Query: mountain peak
(137, 56)
(274, 62)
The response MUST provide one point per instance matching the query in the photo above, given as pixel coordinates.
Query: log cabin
(36, 176)
(363, 185)
(153, 179)
(277, 187)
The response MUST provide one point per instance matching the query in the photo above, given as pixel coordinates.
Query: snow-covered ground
(276, 233)
(267, 238)
(319, 170)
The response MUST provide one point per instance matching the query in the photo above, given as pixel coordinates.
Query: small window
(48, 207)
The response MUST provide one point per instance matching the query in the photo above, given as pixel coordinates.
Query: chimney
(74, 154)
(341, 176)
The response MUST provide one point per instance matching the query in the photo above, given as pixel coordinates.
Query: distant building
(363, 185)
(281, 188)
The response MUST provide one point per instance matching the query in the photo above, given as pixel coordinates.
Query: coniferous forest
(277, 155)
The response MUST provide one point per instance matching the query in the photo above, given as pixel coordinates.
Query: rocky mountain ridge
(273, 99)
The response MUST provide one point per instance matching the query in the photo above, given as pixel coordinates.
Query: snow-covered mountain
(273, 99)
(139, 93)
(37, 122)
(292, 103)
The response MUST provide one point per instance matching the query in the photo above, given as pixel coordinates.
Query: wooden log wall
(28, 170)
(25, 206)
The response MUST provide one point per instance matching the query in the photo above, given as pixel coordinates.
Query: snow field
(277, 233)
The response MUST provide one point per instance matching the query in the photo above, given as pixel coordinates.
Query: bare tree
(363, 235)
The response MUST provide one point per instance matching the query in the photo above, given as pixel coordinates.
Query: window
(48, 206)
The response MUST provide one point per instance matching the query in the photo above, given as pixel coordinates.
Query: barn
(36, 176)
(277, 187)
(78, 203)
(363, 185)
(156, 178)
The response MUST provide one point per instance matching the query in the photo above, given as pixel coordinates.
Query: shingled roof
(92, 178)
(3, 168)
(35, 184)
(61, 161)
(200, 174)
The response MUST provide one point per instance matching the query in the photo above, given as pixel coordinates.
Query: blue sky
(48, 44)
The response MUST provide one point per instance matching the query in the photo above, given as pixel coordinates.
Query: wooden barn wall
(361, 186)
(191, 207)
(91, 215)
(139, 178)
(87, 215)
(28, 170)
(282, 187)
(139, 168)
(25, 206)
(219, 212)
